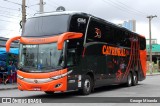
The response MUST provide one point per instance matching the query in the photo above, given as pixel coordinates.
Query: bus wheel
(87, 85)
(129, 80)
(135, 79)
(49, 92)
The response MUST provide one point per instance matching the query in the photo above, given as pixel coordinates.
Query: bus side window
(91, 31)
(111, 37)
(124, 39)
(71, 57)
(127, 40)
(95, 31)
(108, 36)
(142, 43)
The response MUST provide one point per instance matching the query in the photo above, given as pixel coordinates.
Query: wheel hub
(87, 85)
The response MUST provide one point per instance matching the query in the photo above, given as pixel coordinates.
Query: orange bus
(65, 51)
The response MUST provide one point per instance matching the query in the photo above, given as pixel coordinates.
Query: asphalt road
(147, 88)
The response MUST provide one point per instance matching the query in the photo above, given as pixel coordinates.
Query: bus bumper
(56, 85)
(42, 84)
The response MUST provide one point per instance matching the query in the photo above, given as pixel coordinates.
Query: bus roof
(59, 13)
(85, 14)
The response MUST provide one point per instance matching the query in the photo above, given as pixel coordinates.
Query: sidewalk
(8, 86)
(148, 74)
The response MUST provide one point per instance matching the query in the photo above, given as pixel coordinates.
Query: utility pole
(23, 14)
(41, 8)
(150, 45)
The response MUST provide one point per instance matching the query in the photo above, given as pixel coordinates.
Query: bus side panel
(96, 63)
(143, 61)
(107, 68)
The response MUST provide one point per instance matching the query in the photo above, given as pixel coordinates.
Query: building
(130, 25)
(3, 43)
(153, 41)
(155, 50)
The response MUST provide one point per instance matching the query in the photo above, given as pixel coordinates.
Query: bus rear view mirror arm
(8, 43)
(66, 36)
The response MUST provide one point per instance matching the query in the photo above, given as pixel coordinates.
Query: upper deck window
(46, 25)
(78, 24)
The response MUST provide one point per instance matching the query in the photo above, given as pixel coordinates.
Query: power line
(136, 10)
(7, 16)
(32, 5)
(8, 13)
(34, 10)
(8, 21)
(126, 8)
(51, 5)
(54, 2)
(13, 2)
(8, 29)
(10, 8)
(122, 8)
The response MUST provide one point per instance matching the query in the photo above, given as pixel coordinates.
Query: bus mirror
(8, 43)
(66, 36)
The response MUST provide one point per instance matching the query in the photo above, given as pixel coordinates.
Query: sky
(115, 11)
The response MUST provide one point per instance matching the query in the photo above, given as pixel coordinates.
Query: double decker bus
(65, 51)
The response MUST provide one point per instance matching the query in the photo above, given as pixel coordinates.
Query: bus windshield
(43, 57)
(46, 25)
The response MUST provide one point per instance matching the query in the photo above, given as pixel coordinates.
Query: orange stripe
(25, 40)
(59, 39)
(130, 61)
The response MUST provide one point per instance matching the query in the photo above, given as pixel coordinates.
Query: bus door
(73, 63)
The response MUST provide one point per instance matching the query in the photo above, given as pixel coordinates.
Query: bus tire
(135, 79)
(86, 85)
(129, 80)
(49, 92)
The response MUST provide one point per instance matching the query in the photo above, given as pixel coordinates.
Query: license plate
(36, 89)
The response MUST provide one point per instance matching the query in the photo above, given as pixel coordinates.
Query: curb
(8, 88)
(153, 74)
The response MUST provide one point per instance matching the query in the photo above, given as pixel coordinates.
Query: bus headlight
(56, 77)
(20, 77)
(62, 75)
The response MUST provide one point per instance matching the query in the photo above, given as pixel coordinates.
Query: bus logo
(98, 33)
(36, 81)
(115, 51)
(81, 20)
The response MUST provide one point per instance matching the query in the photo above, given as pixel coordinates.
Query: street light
(150, 45)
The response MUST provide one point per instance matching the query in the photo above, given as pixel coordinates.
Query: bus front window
(43, 57)
(46, 25)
